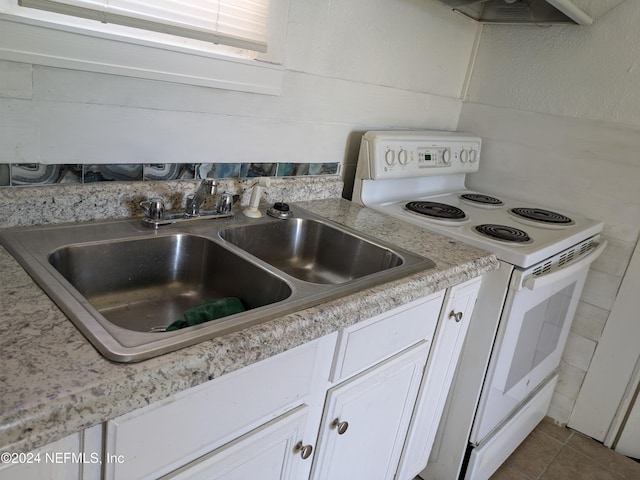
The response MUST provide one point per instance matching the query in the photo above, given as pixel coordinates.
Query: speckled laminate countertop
(54, 383)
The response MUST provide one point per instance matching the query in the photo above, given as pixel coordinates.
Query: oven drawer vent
(586, 246)
(565, 257)
(542, 269)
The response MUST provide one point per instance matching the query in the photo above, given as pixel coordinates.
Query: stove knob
(403, 157)
(473, 156)
(464, 156)
(390, 157)
(446, 156)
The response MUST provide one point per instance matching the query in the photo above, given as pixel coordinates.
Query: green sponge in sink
(207, 311)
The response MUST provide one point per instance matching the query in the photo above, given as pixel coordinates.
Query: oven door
(533, 330)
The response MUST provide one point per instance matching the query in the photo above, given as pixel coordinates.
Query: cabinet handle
(340, 426)
(305, 450)
(457, 316)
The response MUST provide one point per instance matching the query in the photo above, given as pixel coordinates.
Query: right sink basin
(313, 251)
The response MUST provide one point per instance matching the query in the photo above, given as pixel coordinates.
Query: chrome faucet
(208, 186)
(154, 209)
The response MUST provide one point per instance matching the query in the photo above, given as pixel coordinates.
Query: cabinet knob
(457, 316)
(340, 426)
(304, 450)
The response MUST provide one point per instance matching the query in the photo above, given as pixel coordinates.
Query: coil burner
(540, 215)
(482, 199)
(437, 210)
(503, 233)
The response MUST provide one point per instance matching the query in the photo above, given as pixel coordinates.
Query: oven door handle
(543, 280)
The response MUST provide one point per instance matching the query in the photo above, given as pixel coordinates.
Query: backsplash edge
(39, 174)
(83, 202)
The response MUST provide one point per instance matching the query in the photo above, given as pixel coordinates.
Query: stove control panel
(433, 157)
(403, 154)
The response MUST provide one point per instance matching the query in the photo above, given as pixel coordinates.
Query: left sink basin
(146, 284)
(122, 284)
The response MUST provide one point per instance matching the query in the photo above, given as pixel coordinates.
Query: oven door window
(545, 323)
(536, 325)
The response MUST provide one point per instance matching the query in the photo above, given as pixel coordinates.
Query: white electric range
(507, 374)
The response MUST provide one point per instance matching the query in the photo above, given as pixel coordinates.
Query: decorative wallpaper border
(34, 174)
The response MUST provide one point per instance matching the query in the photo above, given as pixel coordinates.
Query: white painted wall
(588, 73)
(350, 65)
(559, 113)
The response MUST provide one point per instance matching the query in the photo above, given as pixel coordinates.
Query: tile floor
(551, 452)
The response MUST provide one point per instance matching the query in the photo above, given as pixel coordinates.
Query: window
(214, 43)
(239, 23)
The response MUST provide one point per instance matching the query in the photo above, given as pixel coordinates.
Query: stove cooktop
(516, 232)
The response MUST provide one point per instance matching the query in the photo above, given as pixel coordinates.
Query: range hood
(521, 11)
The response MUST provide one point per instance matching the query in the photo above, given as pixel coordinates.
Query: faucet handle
(153, 208)
(225, 203)
(211, 184)
(192, 208)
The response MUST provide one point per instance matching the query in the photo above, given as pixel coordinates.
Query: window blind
(237, 23)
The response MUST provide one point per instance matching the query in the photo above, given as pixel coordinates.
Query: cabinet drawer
(164, 436)
(363, 345)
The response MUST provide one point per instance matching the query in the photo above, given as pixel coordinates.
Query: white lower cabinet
(443, 360)
(363, 403)
(366, 419)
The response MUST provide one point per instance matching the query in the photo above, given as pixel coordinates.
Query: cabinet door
(441, 366)
(366, 419)
(60, 460)
(269, 452)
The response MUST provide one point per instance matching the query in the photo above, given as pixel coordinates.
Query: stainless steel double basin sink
(122, 284)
